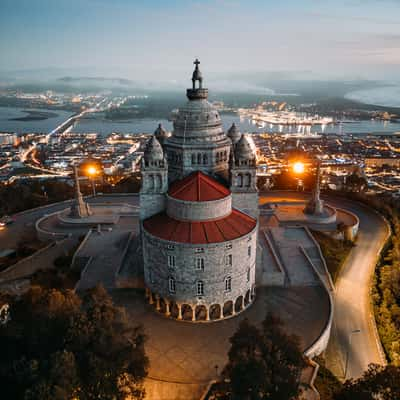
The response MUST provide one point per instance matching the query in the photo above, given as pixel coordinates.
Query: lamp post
(348, 350)
(92, 172)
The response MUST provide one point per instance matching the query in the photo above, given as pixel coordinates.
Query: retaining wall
(42, 259)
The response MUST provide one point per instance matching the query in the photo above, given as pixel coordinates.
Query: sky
(158, 39)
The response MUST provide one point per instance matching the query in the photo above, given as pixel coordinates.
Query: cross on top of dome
(197, 75)
(197, 93)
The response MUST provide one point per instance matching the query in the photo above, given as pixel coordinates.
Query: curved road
(353, 311)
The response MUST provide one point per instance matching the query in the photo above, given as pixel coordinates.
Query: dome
(160, 131)
(244, 149)
(153, 150)
(197, 119)
(234, 133)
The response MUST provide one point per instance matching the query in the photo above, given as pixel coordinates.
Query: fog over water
(388, 96)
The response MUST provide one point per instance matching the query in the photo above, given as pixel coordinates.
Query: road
(352, 303)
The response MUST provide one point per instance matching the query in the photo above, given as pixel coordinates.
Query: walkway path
(353, 309)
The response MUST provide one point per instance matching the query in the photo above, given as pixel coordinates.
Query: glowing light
(298, 167)
(92, 170)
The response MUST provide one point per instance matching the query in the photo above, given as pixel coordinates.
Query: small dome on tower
(160, 132)
(244, 149)
(153, 150)
(234, 133)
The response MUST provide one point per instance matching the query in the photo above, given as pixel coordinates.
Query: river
(147, 125)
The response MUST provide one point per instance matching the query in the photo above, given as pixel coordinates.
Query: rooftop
(231, 227)
(198, 187)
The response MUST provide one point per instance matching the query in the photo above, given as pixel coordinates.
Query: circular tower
(200, 253)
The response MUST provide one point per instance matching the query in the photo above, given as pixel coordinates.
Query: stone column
(150, 297)
(207, 314)
(158, 302)
(167, 310)
(179, 311)
(193, 313)
(221, 312)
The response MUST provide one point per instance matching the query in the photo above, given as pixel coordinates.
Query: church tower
(154, 179)
(198, 141)
(243, 180)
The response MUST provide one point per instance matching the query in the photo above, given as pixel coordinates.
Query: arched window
(193, 159)
(248, 274)
(171, 285)
(151, 181)
(158, 183)
(228, 284)
(171, 261)
(199, 158)
(248, 180)
(205, 159)
(225, 156)
(239, 180)
(200, 263)
(200, 288)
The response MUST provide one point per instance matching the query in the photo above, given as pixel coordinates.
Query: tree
(355, 182)
(264, 363)
(378, 382)
(59, 346)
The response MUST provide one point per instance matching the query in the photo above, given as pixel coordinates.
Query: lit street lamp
(92, 171)
(348, 349)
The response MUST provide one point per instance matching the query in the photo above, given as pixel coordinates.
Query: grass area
(59, 277)
(335, 252)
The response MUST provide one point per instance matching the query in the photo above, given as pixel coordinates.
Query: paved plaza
(183, 355)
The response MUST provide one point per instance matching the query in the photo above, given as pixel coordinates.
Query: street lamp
(298, 169)
(92, 172)
(347, 352)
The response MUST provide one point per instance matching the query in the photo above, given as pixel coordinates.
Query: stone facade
(173, 272)
(188, 210)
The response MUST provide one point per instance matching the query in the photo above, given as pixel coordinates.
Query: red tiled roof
(198, 187)
(233, 226)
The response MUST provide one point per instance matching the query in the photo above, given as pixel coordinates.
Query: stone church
(199, 214)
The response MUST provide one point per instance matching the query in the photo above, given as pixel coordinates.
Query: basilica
(199, 214)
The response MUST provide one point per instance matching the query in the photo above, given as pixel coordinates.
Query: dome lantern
(234, 133)
(153, 151)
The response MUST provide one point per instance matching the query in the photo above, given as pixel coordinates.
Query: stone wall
(186, 275)
(42, 259)
(151, 204)
(198, 210)
(246, 202)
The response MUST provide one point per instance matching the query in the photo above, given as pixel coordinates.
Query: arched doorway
(163, 306)
(228, 308)
(239, 304)
(173, 309)
(215, 311)
(187, 312)
(201, 313)
(247, 298)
